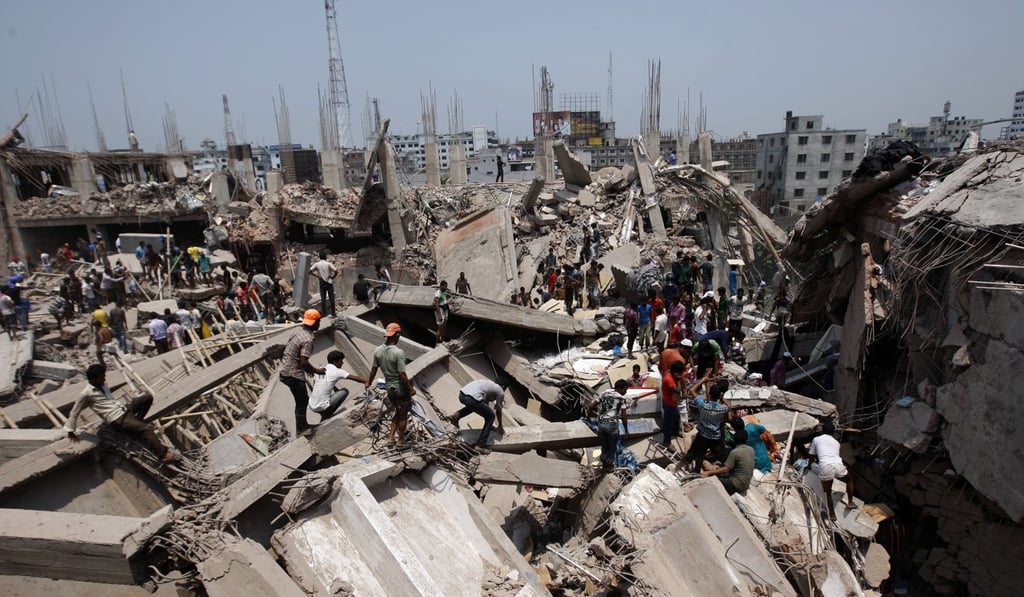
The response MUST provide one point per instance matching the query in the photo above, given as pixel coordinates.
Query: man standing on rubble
(631, 319)
(295, 365)
(462, 285)
(325, 272)
(441, 310)
(828, 465)
(569, 285)
(607, 410)
(778, 373)
(736, 304)
(671, 392)
(263, 287)
(126, 416)
(644, 312)
(708, 355)
(474, 397)
(707, 272)
(593, 280)
(390, 359)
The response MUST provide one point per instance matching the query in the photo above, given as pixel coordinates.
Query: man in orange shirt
(671, 392)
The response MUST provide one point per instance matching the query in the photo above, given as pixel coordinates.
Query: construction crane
(342, 135)
(229, 129)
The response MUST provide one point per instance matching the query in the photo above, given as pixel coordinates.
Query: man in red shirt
(671, 391)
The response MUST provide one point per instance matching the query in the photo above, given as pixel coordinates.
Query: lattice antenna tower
(338, 86)
(229, 128)
(101, 142)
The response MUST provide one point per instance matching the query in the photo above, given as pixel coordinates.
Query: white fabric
(323, 270)
(323, 387)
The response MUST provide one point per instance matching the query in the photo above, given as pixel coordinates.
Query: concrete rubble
(254, 509)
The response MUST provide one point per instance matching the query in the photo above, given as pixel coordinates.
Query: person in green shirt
(738, 469)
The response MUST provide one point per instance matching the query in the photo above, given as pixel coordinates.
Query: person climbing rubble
(713, 412)
(828, 465)
(390, 360)
(474, 397)
(606, 411)
(295, 365)
(441, 310)
(126, 416)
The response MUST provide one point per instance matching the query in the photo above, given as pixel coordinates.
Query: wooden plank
(490, 311)
(528, 469)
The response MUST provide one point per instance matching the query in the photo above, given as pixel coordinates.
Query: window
(801, 140)
(822, 174)
(792, 124)
(771, 159)
(759, 174)
(798, 192)
(822, 191)
(801, 158)
(801, 175)
(810, 124)
(847, 173)
(773, 141)
(801, 207)
(826, 140)
(826, 157)
(848, 157)
(851, 138)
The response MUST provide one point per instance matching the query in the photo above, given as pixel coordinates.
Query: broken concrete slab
(254, 485)
(90, 547)
(15, 443)
(573, 170)
(778, 423)
(244, 569)
(911, 427)
(530, 469)
(151, 309)
(457, 249)
(373, 334)
(586, 198)
(15, 356)
(52, 370)
(549, 436)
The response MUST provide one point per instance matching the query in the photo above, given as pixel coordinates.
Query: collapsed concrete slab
(403, 534)
(242, 568)
(530, 469)
(910, 426)
(90, 547)
(459, 249)
(696, 523)
(574, 172)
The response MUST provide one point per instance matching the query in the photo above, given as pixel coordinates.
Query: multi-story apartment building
(942, 135)
(410, 147)
(803, 163)
(1016, 128)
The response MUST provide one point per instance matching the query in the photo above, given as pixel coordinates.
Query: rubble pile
(159, 199)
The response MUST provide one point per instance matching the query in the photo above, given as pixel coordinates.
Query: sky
(860, 64)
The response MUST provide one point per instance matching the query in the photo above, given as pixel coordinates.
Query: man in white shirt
(158, 333)
(325, 272)
(324, 400)
(829, 464)
(474, 397)
(661, 330)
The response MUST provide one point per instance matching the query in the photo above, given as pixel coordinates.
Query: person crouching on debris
(116, 412)
(713, 412)
(390, 359)
(324, 400)
(738, 469)
(295, 365)
(474, 397)
(828, 465)
(608, 409)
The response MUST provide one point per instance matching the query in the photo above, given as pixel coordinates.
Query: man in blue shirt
(643, 310)
(713, 412)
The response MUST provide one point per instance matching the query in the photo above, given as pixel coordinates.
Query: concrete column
(653, 146)
(12, 243)
(433, 164)
(457, 164)
(389, 174)
(83, 177)
(221, 191)
(300, 289)
(275, 182)
(333, 169)
(249, 176)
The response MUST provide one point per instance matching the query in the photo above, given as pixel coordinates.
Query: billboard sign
(552, 124)
(585, 124)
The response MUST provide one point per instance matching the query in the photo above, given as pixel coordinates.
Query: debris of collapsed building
(536, 509)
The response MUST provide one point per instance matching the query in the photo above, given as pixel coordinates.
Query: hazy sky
(861, 64)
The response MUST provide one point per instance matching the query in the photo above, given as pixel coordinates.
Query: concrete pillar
(300, 289)
(249, 176)
(275, 182)
(549, 159)
(683, 149)
(221, 191)
(433, 165)
(654, 145)
(333, 170)
(457, 164)
(389, 174)
(12, 243)
(704, 146)
(83, 177)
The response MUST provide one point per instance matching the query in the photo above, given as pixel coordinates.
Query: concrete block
(244, 569)
(300, 289)
(586, 198)
(52, 371)
(15, 443)
(573, 170)
(911, 427)
(239, 208)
